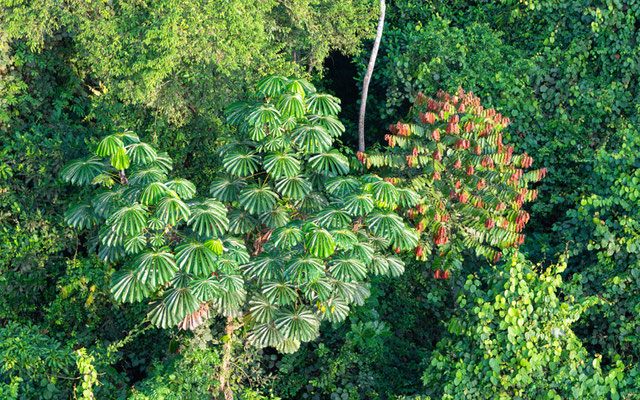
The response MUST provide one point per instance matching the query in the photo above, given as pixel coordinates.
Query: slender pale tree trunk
(225, 368)
(367, 76)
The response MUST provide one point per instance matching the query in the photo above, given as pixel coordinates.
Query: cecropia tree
(285, 240)
(471, 185)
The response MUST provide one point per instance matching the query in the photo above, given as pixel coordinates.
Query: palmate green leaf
(241, 163)
(312, 203)
(110, 236)
(209, 220)
(337, 311)
(288, 346)
(341, 186)
(109, 146)
(299, 324)
(396, 266)
(312, 139)
(329, 122)
(379, 265)
(407, 197)
(261, 309)
(205, 288)
(265, 116)
(153, 193)
(176, 304)
(128, 137)
(348, 269)
(80, 216)
(82, 172)
(266, 266)
(237, 112)
(275, 218)
(120, 159)
(214, 245)
(272, 85)
(290, 104)
(241, 222)
(226, 188)
(126, 287)
(300, 86)
(172, 209)
(332, 218)
(385, 223)
(129, 220)
(331, 163)
(257, 199)
(345, 239)
(237, 254)
(385, 192)
(320, 243)
(148, 175)
(135, 244)
(359, 204)
(141, 153)
(163, 162)
(280, 292)
(323, 104)
(287, 237)
(303, 269)
(275, 143)
(111, 254)
(196, 258)
(282, 164)
(265, 335)
(106, 202)
(155, 268)
(296, 187)
(184, 188)
(345, 291)
(362, 251)
(407, 239)
(318, 290)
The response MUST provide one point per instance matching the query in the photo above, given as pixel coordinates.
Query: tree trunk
(225, 368)
(367, 76)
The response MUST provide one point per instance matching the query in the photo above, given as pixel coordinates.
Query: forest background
(567, 74)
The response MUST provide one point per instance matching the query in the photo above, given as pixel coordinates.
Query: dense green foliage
(270, 201)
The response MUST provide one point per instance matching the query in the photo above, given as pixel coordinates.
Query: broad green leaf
(332, 163)
(359, 204)
(272, 85)
(281, 164)
(141, 153)
(82, 172)
(304, 269)
(172, 209)
(241, 163)
(312, 139)
(196, 258)
(184, 188)
(226, 188)
(127, 288)
(120, 160)
(296, 187)
(347, 269)
(109, 145)
(155, 268)
(257, 199)
(298, 324)
(320, 243)
(323, 104)
(80, 216)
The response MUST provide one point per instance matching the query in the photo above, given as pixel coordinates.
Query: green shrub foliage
(470, 185)
(286, 239)
(514, 340)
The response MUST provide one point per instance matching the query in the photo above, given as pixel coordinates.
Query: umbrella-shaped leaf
(163, 162)
(347, 269)
(312, 139)
(135, 244)
(155, 268)
(129, 220)
(385, 223)
(359, 204)
(241, 222)
(109, 146)
(329, 122)
(396, 266)
(241, 163)
(320, 243)
(291, 104)
(205, 288)
(172, 209)
(141, 153)
(262, 310)
(281, 164)
(226, 188)
(80, 216)
(127, 288)
(312, 203)
(298, 324)
(287, 237)
(196, 258)
(304, 269)
(237, 112)
(265, 266)
(82, 172)
(265, 116)
(146, 176)
(257, 199)
(407, 197)
(275, 218)
(106, 202)
(341, 186)
(332, 218)
(385, 192)
(265, 335)
(345, 239)
(280, 293)
(184, 188)
(296, 187)
(209, 221)
(362, 251)
(176, 304)
(300, 86)
(153, 193)
(407, 239)
(120, 159)
(331, 163)
(323, 104)
(272, 85)
(319, 289)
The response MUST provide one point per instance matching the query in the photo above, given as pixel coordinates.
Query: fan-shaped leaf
(82, 172)
(241, 163)
(184, 188)
(290, 104)
(331, 163)
(341, 186)
(312, 139)
(109, 146)
(141, 153)
(205, 288)
(280, 293)
(153, 193)
(80, 216)
(155, 268)
(127, 288)
(347, 269)
(323, 104)
(129, 220)
(272, 85)
(172, 209)
(358, 204)
(385, 192)
(241, 222)
(281, 164)
(265, 266)
(320, 243)
(225, 188)
(385, 223)
(287, 237)
(257, 199)
(196, 258)
(296, 187)
(209, 221)
(120, 160)
(304, 269)
(332, 218)
(262, 310)
(298, 324)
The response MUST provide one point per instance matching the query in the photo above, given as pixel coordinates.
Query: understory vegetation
(184, 214)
